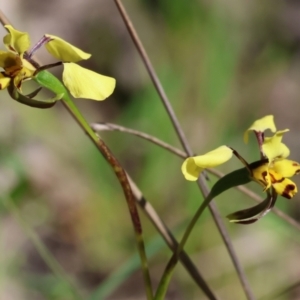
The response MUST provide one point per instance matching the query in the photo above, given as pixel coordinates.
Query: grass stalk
(201, 182)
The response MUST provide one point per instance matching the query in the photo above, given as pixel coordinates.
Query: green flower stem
(41, 248)
(50, 82)
(235, 178)
(167, 275)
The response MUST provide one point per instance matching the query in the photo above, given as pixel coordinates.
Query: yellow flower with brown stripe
(275, 171)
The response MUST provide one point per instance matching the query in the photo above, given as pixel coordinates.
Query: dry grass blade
(114, 127)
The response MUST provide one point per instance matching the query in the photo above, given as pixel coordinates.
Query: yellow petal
(10, 62)
(64, 51)
(4, 81)
(22, 75)
(261, 175)
(190, 170)
(16, 40)
(84, 83)
(283, 186)
(193, 166)
(286, 167)
(274, 148)
(261, 125)
(26, 64)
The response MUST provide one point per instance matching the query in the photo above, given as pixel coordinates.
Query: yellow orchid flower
(271, 171)
(18, 66)
(278, 167)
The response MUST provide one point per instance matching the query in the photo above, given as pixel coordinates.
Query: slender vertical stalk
(201, 182)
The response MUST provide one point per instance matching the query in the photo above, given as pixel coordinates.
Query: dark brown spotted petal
(252, 214)
(283, 186)
(260, 174)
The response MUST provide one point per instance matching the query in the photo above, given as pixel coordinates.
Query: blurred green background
(223, 64)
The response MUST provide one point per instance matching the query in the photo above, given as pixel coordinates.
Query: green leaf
(235, 178)
(29, 101)
(253, 214)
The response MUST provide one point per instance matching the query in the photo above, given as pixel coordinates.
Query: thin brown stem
(124, 182)
(46, 67)
(114, 127)
(156, 82)
(201, 182)
(3, 19)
